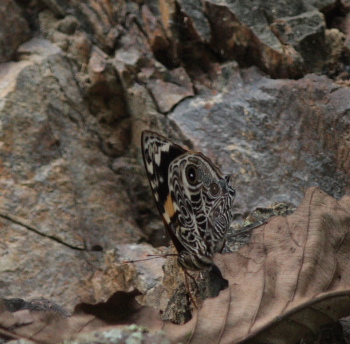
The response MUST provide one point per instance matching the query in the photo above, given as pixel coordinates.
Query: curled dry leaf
(291, 279)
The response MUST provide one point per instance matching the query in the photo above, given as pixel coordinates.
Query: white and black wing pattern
(192, 196)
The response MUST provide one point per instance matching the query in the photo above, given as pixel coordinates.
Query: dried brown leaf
(291, 279)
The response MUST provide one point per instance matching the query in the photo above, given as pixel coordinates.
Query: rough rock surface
(51, 155)
(14, 29)
(276, 136)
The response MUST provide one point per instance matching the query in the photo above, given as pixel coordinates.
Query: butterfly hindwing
(192, 196)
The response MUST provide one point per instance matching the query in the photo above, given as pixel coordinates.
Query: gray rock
(306, 33)
(34, 265)
(14, 29)
(276, 136)
(323, 4)
(53, 150)
(59, 199)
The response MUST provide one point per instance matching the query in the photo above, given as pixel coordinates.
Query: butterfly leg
(188, 286)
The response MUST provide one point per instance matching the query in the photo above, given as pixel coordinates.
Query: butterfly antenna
(152, 256)
(246, 229)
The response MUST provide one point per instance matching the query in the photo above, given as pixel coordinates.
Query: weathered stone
(76, 46)
(169, 88)
(38, 144)
(276, 136)
(334, 41)
(198, 21)
(99, 19)
(37, 266)
(59, 198)
(115, 273)
(34, 49)
(306, 33)
(144, 210)
(167, 10)
(56, 7)
(105, 96)
(346, 31)
(157, 39)
(323, 4)
(14, 29)
(68, 25)
(279, 37)
(251, 42)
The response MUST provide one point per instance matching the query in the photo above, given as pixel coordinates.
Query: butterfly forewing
(158, 153)
(192, 196)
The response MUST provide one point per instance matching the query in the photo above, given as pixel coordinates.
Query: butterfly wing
(192, 197)
(202, 200)
(158, 153)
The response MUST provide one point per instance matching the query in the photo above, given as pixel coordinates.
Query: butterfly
(193, 197)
